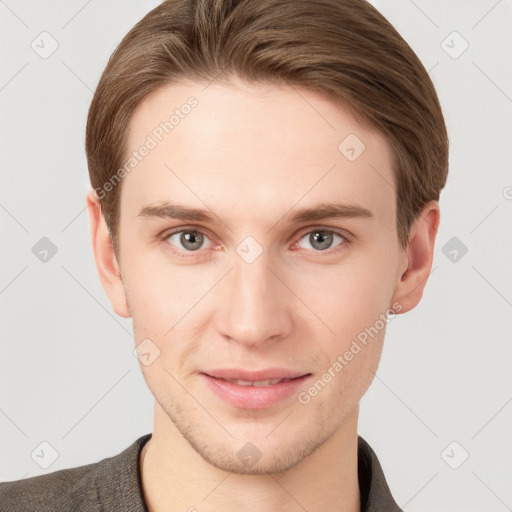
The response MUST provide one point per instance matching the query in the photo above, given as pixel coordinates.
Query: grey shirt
(114, 484)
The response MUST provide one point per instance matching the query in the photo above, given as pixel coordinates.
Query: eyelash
(187, 254)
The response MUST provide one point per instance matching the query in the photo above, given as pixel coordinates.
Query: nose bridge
(255, 307)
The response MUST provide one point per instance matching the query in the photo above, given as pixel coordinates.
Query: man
(265, 183)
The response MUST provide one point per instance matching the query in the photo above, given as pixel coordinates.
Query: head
(263, 114)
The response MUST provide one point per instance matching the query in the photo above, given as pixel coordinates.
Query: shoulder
(60, 490)
(86, 488)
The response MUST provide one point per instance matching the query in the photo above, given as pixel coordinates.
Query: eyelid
(346, 235)
(180, 252)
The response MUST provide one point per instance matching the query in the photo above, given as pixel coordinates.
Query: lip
(254, 375)
(253, 397)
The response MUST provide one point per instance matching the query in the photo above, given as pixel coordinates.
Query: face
(272, 285)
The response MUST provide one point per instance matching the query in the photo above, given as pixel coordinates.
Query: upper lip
(254, 375)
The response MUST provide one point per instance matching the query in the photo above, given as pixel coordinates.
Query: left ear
(420, 253)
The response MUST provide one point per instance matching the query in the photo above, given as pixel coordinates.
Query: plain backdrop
(439, 412)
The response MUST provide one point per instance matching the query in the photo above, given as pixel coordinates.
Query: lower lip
(253, 397)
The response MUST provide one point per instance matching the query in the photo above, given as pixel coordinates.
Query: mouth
(257, 383)
(254, 389)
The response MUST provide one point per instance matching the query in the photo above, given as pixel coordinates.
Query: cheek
(159, 293)
(350, 297)
(164, 301)
(347, 297)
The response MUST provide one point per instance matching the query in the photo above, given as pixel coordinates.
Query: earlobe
(104, 255)
(419, 254)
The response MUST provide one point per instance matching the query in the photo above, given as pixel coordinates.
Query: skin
(252, 154)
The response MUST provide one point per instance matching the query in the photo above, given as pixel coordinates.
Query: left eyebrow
(327, 211)
(321, 211)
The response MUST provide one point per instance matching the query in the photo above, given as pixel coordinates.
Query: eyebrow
(321, 211)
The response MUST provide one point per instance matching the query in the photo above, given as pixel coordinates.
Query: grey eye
(189, 240)
(320, 239)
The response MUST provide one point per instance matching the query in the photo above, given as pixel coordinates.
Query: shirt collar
(125, 493)
(374, 490)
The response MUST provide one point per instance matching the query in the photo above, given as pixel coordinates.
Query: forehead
(253, 148)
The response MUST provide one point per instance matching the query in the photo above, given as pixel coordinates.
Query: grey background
(68, 374)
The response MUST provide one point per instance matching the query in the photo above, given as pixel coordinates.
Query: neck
(176, 477)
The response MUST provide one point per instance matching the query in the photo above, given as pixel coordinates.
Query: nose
(255, 306)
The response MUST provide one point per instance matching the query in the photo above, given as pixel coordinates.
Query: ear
(418, 256)
(106, 261)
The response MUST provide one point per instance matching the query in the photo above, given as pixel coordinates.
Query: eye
(321, 239)
(189, 240)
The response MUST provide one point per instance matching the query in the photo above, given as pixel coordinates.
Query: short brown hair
(344, 50)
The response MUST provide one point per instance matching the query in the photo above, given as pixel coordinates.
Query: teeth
(257, 383)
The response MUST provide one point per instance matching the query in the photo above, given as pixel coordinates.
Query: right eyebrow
(167, 210)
